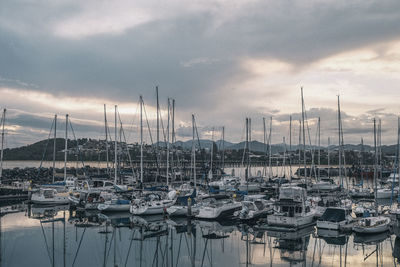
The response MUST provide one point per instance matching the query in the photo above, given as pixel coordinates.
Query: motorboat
(216, 210)
(254, 208)
(115, 204)
(49, 196)
(153, 204)
(89, 199)
(335, 218)
(372, 225)
(291, 210)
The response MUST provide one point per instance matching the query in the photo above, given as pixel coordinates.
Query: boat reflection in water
(58, 236)
(292, 245)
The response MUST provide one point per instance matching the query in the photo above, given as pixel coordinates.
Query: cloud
(222, 60)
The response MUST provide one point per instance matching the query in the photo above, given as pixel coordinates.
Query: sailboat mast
(194, 152)
(106, 130)
(169, 107)
(223, 148)
(362, 162)
(270, 148)
(115, 147)
(141, 140)
(319, 148)
(54, 146)
(290, 147)
(173, 140)
(3, 120)
(66, 147)
(329, 157)
(375, 170)
(246, 148)
(304, 136)
(212, 153)
(340, 143)
(158, 136)
(398, 149)
(265, 147)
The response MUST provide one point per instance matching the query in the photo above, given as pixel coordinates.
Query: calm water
(59, 237)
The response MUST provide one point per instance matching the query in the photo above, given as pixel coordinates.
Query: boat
(385, 193)
(216, 210)
(376, 224)
(291, 210)
(254, 208)
(89, 199)
(372, 225)
(226, 183)
(335, 218)
(153, 204)
(115, 204)
(325, 184)
(364, 209)
(49, 196)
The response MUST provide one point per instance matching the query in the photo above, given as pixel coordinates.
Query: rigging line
(45, 149)
(77, 145)
(126, 143)
(132, 125)
(148, 125)
(162, 127)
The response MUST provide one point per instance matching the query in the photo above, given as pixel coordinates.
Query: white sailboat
(375, 224)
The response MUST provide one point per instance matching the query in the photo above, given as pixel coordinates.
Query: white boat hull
(148, 209)
(362, 229)
(213, 213)
(290, 222)
(57, 200)
(181, 210)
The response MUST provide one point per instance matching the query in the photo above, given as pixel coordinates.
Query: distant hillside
(89, 149)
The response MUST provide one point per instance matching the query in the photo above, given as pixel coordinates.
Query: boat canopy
(333, 215)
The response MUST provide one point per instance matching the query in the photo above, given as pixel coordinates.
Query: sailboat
(47, 195)
(375, 224)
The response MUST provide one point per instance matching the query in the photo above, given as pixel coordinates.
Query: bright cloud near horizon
(221, 60)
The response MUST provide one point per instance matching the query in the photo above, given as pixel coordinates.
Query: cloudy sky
(221, 60)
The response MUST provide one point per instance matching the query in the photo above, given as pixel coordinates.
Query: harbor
(199, 133)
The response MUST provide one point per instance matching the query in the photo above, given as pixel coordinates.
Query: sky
(220, 60)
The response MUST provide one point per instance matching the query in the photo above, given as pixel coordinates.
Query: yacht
(89, 199)
(216, 210)
(153, 204)
(49, 196)
(253, 208)
(291, 209)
